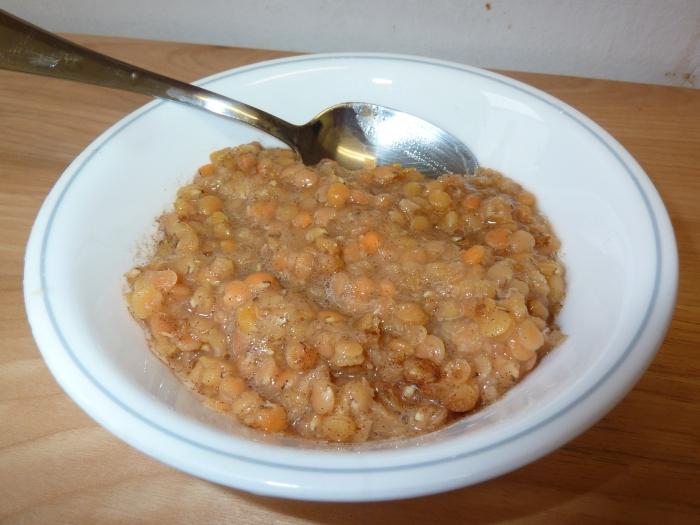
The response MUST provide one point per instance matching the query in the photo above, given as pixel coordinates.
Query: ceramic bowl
(617, 245)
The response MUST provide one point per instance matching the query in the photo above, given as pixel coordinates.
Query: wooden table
(640, 464)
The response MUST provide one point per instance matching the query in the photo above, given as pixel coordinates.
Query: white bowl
(618, 248)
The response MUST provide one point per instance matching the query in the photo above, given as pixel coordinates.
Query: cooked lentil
(348, 305)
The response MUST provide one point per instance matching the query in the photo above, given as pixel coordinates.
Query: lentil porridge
(346, 305)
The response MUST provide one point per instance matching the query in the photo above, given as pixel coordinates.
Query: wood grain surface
(640, 464)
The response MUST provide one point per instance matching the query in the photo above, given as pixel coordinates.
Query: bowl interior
(103, 223)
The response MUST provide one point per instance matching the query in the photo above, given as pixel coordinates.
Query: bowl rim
(660, 307)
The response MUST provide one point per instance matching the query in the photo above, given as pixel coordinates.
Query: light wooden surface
(640, 464)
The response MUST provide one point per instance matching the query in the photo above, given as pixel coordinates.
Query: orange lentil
(207, 170)
(370, 241)
(261, 281)
(474, 255)
(471, 201)
(497, 238)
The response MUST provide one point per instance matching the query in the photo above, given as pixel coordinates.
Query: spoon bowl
(358, 134)
(354, 134)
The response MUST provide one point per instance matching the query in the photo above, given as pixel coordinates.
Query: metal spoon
(354, 134)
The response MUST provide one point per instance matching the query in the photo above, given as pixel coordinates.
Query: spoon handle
(30, 49)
